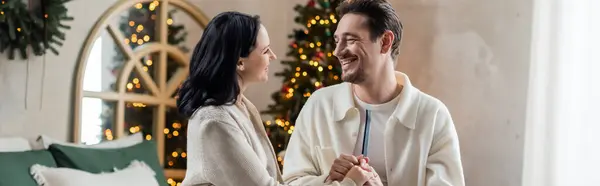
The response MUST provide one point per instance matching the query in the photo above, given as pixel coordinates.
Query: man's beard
(355, 77)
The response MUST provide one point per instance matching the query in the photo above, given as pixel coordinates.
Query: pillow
(137, 173)
(14, 144)
(95, 160)
(128, 141)
(14, 166)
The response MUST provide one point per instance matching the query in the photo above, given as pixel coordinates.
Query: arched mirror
(128, 72)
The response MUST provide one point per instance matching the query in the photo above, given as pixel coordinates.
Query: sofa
(127, 161)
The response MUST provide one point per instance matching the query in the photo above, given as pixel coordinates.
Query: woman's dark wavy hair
(213, 79)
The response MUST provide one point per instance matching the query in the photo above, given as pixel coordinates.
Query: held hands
(374, 181)
(341, 166)
(361, 173)
(355, 168)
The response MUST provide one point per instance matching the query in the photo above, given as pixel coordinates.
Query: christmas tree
(139, 26)
(313, 66)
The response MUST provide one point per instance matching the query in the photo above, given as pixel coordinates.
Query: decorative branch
(40, 29)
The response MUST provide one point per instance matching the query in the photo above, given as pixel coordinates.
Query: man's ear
(387, 39)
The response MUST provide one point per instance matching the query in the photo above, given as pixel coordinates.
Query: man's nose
(337, 51)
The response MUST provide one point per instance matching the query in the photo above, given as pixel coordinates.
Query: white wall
(35, 94)
(472, 54)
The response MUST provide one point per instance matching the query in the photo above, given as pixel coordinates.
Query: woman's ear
(240, 65)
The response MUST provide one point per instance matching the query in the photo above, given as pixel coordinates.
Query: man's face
(357, 53)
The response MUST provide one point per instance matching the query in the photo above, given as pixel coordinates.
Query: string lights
(314, 67)
(172, 182)
(140, 28)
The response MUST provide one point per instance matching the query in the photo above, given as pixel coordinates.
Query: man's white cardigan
(421, 145)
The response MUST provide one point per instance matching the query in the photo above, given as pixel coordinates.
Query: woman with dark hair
(227, 142)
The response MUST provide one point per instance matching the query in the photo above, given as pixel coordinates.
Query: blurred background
(474, 55)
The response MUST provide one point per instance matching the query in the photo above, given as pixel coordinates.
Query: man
(408, 136)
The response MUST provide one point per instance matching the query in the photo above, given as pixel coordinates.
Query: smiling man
(407, 136)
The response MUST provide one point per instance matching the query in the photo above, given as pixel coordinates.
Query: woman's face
(255, 67)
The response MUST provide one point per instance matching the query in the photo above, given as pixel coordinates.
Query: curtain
(562, 133)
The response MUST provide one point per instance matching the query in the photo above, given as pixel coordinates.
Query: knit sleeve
(444, 165)
(226, 157)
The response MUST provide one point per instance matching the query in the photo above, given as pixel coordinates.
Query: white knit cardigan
(228, 146)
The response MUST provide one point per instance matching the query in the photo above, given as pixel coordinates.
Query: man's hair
(380, 17)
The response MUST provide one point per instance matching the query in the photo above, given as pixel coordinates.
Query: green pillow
(14, 166)
(95, 160)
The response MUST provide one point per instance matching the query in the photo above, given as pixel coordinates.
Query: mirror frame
(158, 96)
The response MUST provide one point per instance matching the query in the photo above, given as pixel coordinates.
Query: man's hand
(341, 166)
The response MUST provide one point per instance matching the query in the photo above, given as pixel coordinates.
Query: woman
(227, 143)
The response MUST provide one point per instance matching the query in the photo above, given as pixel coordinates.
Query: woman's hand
(375, 180)
(359, 175)
(362, 173)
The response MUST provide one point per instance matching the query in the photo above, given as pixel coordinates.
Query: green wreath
(37, 28)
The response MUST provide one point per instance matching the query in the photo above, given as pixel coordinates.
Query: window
(131, 65)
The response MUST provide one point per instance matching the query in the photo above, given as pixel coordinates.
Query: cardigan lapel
(348, 117)
(260, 130)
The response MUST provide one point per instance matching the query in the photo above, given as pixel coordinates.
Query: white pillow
(137, 173)
(128, 141)
(14, 144)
